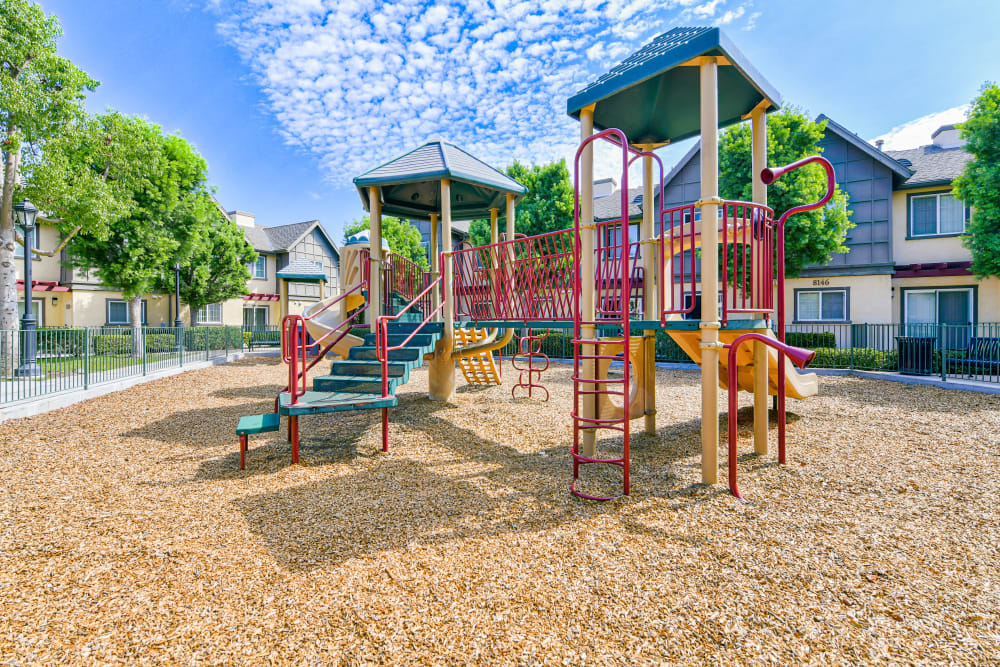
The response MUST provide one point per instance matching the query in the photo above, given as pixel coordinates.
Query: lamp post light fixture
(178, 322)
(24, 217)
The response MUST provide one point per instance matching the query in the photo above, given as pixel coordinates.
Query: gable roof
(282, 238)
(653, 95)
(609, 207)
(932, 165)
(302, 269)
(900, 171)
(257, 237)
(411, 183)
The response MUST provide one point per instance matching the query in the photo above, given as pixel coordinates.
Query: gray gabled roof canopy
(302, 270)
(411, 183)
(654, 95)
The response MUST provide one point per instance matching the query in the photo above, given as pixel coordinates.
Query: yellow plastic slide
(797, 385)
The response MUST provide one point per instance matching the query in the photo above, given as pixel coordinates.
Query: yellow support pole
(758, 130)
(435, 260)
(650, 293)
(709, 277)
(441, 369)
(374, 256)
(588, 332)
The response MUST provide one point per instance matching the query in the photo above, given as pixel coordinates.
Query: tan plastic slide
(324, 322)
(797, 385)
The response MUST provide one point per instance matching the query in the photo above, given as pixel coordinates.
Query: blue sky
(289, 99)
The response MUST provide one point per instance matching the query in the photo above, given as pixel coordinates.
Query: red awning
(933, 270)
(258, 296)
(44, 286)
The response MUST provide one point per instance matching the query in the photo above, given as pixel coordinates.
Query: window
(19, 249)
(938, 214)
(821, 306)
(255, 317)
(210, 314)
(937, 306)
(258, 270)
(118, 311)
(37, 309)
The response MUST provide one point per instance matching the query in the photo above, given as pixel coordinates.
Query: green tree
(979, 184)
(810, 238)
(134, 251)
(40, 94)
(402, 237)
(215, 269)
(547, 207)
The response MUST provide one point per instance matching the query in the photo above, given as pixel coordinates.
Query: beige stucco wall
(922, 250)
(869, 297)
(88, 308)
(270, 284)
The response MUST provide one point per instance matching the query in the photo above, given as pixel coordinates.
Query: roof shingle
(932, 165)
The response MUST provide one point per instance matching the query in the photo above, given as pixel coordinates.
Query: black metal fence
(969, 351)
(81, 357)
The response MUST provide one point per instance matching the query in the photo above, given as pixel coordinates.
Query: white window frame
(822, 294)
(937, 215)
(935, 291)
(267, 313)
(38, 310)
(19, 249)
(255, 274)
(201, 315)
(128, 312)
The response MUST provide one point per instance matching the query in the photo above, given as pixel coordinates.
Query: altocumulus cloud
(357, 81)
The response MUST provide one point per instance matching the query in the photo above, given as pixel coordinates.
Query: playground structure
(611, 292)
(530, 349)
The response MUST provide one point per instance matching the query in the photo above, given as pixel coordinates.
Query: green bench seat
(255, 424)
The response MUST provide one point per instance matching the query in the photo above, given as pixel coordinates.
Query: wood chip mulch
(128, 535)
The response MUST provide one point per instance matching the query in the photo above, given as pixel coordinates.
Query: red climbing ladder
(615, 277)
(530, 348)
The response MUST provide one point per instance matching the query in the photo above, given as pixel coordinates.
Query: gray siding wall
(424, 227)
(868, 185)
(315, 248)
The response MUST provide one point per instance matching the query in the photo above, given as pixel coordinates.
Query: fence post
(206, 342)
(86, 357)
(180, 347)
(852, 329)
(944, 352)
(145, 332)
(226, 331)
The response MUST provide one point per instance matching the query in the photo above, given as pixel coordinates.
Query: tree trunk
(9, 348)
(135, 315)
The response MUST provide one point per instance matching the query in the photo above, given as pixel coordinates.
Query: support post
(441, 369)
(758, 161)
(588, 446)
(435, 260)
(495, 260)
(374, 257)
(649, 291)
(709, 272)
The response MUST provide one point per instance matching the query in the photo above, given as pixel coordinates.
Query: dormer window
(937, 214)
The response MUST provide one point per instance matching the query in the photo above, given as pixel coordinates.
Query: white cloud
(918, 132)
(357, 82)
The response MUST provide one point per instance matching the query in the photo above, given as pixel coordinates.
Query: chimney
(604, 187)
(878, 143)
(242, 218)
(947, 136)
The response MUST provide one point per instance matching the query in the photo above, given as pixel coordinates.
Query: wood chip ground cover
(130, 536)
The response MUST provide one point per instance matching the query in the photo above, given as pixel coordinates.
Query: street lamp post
(178, 322)
(24, 216)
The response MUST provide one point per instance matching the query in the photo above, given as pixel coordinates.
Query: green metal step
(317, 402)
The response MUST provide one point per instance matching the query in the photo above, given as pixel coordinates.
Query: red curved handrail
(799, 360)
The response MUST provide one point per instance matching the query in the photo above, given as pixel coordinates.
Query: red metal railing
(524, 278)
(678, 235)
(407, 279)
(382, 342)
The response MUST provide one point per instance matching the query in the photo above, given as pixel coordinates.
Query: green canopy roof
(654, 97)
(411, 183)
(302, 270)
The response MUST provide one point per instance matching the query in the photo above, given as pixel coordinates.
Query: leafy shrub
(61, 342)
(863, 358)
(811, 339)
(160, 342)
(195, 338)
(112, 344)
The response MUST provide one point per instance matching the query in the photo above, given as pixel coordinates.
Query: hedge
(195, 337)
(811, 339)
